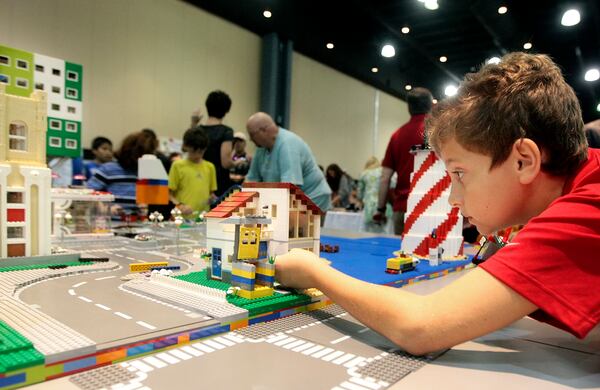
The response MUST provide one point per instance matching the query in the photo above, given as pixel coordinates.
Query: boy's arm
(474, 305)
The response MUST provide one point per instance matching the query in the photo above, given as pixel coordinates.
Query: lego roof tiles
(294, 189)
(232, 203)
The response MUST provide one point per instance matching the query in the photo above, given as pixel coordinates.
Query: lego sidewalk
(365, 259)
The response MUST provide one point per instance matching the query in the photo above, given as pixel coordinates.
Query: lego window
(71, 127)
(5, 60)
(55, 89)
(17, 136)
(55, 107)
(22, 64)
(55, 124)
(14, 232)
(55, 142)
(303, 224)
(39, 68)
(71, 110)
(72, 76)
(72, 93)
(274, 211)
(4, 79)
(14, 197)
(71, 144)
(39, 86)
(22, 83)
(56, 72)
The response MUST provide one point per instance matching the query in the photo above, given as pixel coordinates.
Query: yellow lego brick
(258, 292)
(141, 267)
(393, 263)
(265, 271)
(243, 274)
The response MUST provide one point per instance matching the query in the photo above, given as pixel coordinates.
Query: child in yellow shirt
(193, 180)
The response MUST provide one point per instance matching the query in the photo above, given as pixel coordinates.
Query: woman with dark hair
(341, 185)
(119, 177)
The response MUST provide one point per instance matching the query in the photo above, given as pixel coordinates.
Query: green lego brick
(20, 359)
(16, 73)
(74, 82)
(202, 279)
(11, 340)
(39, 266)
(271, 303)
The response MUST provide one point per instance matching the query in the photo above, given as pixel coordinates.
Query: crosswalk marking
(303, 347)
(143, 367)
(224, 341)
(203, 347)
(343, 359)
(332, 356)
(313, 349)
(213, 344)
(294, 344)
(155, 362)
(192, 351)
(366, 383)
(180, 354)
(322, 353)
(167, 358)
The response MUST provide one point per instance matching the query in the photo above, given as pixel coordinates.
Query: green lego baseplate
(16, 351)
(255, 306)
(40, 266)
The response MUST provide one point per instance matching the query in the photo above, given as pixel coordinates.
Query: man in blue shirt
(284, 157)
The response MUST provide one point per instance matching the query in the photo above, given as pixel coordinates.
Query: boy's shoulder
(207, 164)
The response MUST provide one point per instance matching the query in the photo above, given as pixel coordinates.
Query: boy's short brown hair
(523, 96)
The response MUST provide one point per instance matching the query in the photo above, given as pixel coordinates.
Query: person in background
(242, 159)
(283, 157)
(592, 133)
(220, 138)
(119, 177)
(193, 180)
(368, 191)
(196, 118)
(151, 134)
(341, 185)
(399, 159)
(174, 157)
(102, 149)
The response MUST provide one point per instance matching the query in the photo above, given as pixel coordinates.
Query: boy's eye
(459, 174)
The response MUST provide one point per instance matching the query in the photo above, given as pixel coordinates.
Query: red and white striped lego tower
(428, 210)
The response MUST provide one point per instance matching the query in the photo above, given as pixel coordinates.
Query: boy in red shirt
(513, 143)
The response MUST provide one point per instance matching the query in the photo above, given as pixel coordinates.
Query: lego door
(215, 265)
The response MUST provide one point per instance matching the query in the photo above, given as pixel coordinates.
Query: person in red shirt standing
(399, 159)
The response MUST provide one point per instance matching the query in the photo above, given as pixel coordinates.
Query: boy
(102, 149)
(192, 180)
(513, 143)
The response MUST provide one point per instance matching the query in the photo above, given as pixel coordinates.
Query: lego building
(24, 178)
(23, 72)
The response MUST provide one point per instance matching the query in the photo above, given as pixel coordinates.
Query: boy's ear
(527, 158)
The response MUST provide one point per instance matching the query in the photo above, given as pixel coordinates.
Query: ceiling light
(450, 90)
(598, 107)
(592, 74)
(374, 70)
(329, 45)
(493, 60)
(267, 14)
(502, 10)
(443, 59)
(434, 101)
(570, 18)
(405, 30)
(431, 4)
(527, 45)
(388, 51)
(408, 87)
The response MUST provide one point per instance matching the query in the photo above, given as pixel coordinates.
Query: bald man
(282, 156)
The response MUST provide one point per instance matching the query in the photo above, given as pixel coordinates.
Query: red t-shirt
(554, 262)
(399, 158)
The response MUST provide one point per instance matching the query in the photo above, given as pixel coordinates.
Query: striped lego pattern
(243, 275)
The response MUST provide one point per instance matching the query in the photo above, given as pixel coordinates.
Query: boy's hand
(297, 268)
(185, 209)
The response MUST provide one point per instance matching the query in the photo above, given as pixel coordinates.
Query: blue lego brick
(270, 317)
(79, 364)
(12, 380)
(202, 333)
(239, 279)
(140, 349)
(167, 341)
(265, 279)
(169, 267)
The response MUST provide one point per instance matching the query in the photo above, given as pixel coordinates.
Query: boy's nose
(454, 199)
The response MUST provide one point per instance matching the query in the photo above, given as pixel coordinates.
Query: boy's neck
(542, 194)
(195, 160)
(211, 121)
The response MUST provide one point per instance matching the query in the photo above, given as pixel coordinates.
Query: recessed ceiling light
(408, 87)
(267, 14)
(434, 101)
(493, 60)
(388, 51)
(405, 30)
(431, 4)
(329, 45)
(450, 90)
(443, 59)
(570, 18)
(592, 74)
(527, 45)
(374, 70)
(502, 10)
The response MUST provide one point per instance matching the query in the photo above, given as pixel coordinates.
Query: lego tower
(24, 178)
(430, 221)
